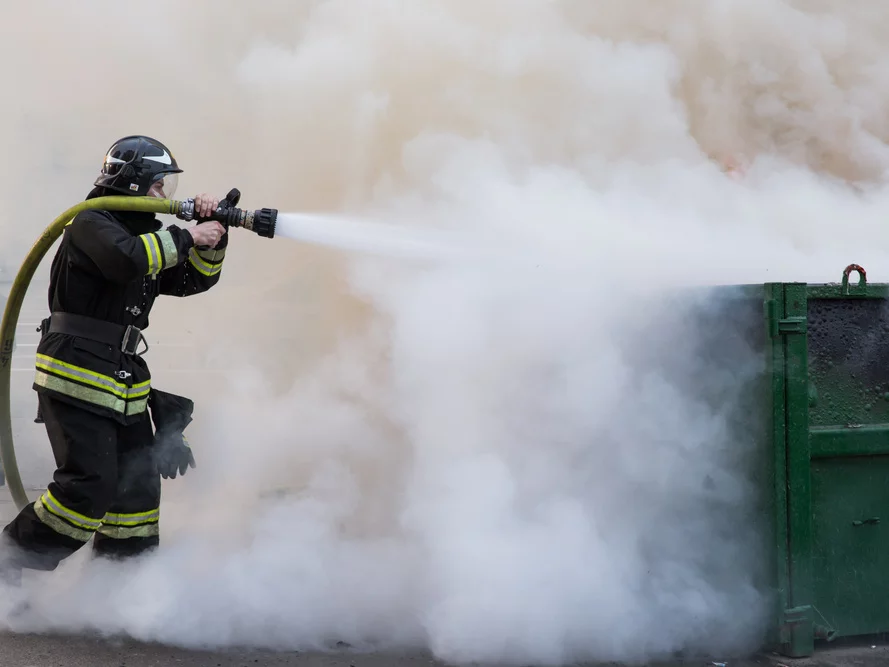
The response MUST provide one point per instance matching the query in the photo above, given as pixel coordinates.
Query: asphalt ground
(27, 650)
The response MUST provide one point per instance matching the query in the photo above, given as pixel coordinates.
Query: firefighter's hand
(207, 233)
(172, 455)
(205, 204)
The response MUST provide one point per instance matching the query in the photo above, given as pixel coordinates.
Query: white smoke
(536, 458)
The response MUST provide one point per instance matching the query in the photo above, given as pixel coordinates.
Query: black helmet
(135, 163)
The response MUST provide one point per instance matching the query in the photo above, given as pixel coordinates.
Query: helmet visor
(164, 186)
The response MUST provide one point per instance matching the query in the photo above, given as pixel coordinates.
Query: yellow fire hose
(14, 305)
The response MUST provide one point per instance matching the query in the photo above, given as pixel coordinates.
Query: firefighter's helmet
(138, 165)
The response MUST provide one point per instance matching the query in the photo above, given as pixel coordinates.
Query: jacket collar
(137, 222)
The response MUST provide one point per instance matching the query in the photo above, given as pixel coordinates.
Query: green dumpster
(822, 407)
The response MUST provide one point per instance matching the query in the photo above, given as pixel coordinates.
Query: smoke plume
(543, 453)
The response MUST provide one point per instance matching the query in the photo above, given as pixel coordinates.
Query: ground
(55, 651)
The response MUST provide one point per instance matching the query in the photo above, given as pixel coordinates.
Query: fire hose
(261, 222)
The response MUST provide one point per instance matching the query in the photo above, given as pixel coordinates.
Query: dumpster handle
(826, 631)
(872, 522)
(862, 280)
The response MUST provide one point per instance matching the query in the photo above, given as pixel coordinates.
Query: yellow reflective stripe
(89, 395)
(124, 394)
(212, 255)
(203, 267)
(136, 407)
(152, 260)
(168, 245)
(61, 527)
(139, 390)
(85, 375)
(153, 251)
(158, 255)
(50, 502)
(126, 532)
(131, 519)
(80, 392)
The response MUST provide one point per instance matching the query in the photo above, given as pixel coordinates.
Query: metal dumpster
(810, 430)
(827, 433)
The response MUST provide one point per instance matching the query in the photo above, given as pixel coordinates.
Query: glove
(171, 414)
(171, 454)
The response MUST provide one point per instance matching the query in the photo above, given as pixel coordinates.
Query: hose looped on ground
(9, 472)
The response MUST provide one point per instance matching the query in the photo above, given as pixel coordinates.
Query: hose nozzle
(261, 222)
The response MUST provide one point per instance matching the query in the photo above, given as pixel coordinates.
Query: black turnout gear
(111, 266)
(93, 385)
(105, 486)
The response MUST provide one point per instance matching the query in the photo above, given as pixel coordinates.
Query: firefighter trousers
(106, 487)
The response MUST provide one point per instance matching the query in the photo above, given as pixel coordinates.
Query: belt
(124, 337)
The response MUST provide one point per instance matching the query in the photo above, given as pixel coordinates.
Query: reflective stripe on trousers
(66, 521)
(123, 526)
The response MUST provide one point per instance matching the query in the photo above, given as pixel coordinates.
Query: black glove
(172, 454)
(171, 414)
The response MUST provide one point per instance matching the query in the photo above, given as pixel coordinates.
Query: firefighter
(93, 386)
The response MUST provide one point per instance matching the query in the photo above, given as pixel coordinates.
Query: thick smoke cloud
(535, 457)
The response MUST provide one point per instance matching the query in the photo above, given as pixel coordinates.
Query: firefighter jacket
(111, 266)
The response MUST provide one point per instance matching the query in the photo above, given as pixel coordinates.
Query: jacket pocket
(100, 358)
(100, 351)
